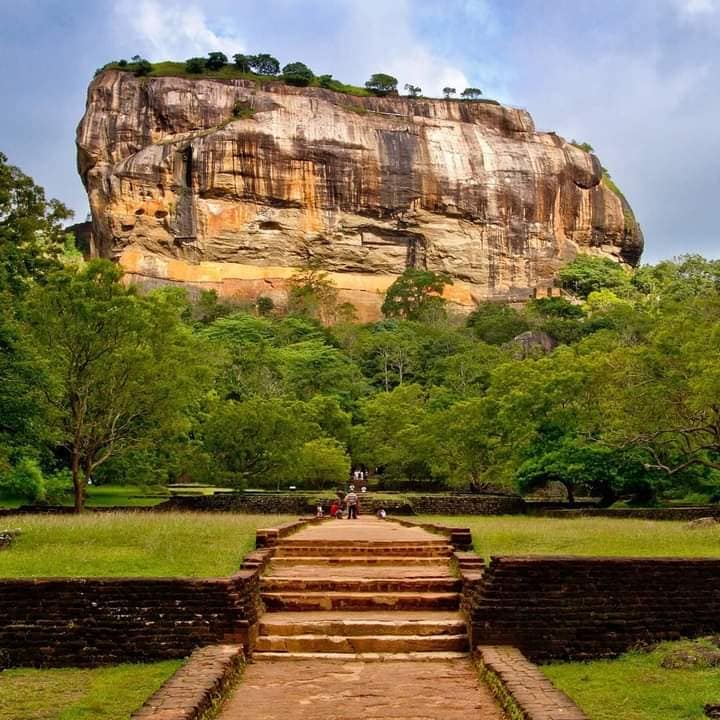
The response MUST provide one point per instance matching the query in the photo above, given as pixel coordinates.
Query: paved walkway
(305, 690)
(363, 623)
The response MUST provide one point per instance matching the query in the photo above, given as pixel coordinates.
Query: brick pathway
(344, 595)
(353, 690)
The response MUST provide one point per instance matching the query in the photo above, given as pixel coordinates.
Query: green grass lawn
(525, 535)
(131, 544)
(107, 693)
(637, 687)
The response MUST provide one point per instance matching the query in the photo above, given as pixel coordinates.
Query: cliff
(233, 185)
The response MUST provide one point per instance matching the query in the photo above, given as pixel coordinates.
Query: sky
(637, 79)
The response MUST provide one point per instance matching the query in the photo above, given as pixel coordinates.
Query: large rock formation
(233, 185)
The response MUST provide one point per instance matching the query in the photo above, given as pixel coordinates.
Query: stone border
(459, 537)
(196, 690)
(521, 688)
(269, 537)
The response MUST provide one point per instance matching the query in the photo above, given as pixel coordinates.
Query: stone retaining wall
(196, 690)
(682, 514)
(303, 504)
(84, 622)
(576, 608)
(523, 691)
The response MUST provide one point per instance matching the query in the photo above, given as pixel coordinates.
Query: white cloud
(378, 36)
(174, 31)
(694, 8)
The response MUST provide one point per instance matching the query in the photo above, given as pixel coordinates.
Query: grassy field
(637, 687)
(523, 535)
(131, 545)
(108, 693)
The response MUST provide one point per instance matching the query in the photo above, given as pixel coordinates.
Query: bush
(25, 480)
(297, 73)
(216, 61)
(58, 487)
(195, 65)
(264, 305)
(143, 68)
(496, 323)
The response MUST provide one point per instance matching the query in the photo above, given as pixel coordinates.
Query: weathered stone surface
(354, 690)
(182, 191)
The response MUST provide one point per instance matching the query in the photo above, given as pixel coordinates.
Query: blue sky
(635, 78)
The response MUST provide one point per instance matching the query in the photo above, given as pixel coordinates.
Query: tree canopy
(382, 84)
(612, 390)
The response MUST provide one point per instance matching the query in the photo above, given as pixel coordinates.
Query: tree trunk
(570, 494)
(78, 479)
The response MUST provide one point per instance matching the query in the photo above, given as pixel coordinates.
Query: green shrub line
(294, 74)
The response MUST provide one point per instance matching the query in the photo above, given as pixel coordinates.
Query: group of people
(349, 505)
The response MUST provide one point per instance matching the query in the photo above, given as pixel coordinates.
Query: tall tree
(122, 367)
(415, 295)
(31, 233)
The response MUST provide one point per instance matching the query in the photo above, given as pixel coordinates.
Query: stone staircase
(339, 591)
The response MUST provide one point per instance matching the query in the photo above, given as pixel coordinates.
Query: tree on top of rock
(413, 90)
(297, 73)
(382, 84)
(448, 92)
(216, 61)
(471, 93)
(415, 295)
(242, 62)
(195, 65)
(264, 64)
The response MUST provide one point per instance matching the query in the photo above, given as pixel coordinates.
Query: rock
(692, 656)
(182, 191)
(702, 523)
(532, 342)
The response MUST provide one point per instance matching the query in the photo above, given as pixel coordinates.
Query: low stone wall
(576, 608)
(682, 514)
(84, 622)
(196, 690)
(523, 691)
(303, 504)
(459, 537)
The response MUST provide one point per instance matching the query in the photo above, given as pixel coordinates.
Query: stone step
(364, 657)
(364, 550)
(289, 542)
(350, 624)
(299, 601)
(361, 643)
(293, 560)
(276, 584)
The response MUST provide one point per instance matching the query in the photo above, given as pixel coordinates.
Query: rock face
(234, 186)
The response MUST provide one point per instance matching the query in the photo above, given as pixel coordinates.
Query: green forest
(612, 389)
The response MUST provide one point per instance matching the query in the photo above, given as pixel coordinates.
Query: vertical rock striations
(232, 185)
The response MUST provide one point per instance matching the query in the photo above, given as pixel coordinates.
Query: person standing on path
(351, 500)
